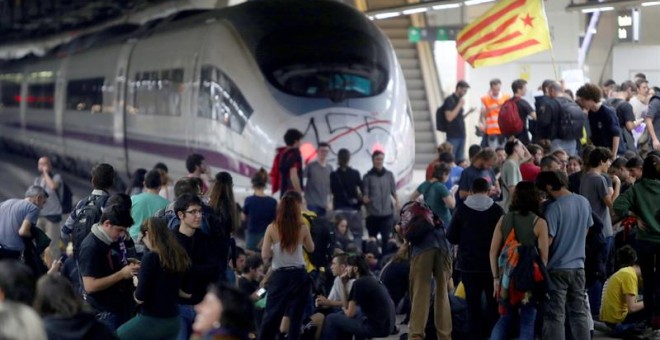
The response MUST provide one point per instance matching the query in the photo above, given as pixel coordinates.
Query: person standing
(525, 111)
(51, 214)
(17, 216)
(258, 211)
(510, 176)
(289, 286)
(490, 113)
(291, 163)
(641, 200)
(317, 186)
(379, 192)
(603, 121)
(568, 219)
(147, 203)
(471, 229)
(346, 187)
(452, 109)
(159, 281)
(531, 231)
(106, 281)
(197, 168)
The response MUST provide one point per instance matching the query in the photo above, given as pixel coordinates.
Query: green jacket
(642, 199)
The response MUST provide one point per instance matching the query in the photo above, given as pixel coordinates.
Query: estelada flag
(511, 29)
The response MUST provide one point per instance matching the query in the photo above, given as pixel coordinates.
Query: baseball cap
(463, 84)
(35, 190)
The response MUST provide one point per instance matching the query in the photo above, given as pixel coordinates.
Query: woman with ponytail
(289, 286)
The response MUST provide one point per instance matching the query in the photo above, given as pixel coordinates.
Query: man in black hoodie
(471, 229)
(206, 261)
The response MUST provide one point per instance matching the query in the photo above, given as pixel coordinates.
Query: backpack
(323, 235)
(509, 118)
(521, 270)
(275, 176)
(441, 122)
(571, 119)
(88, 214)
(66, 199)
(417, 220)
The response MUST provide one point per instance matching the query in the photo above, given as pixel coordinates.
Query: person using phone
(248, 282)
(160, 277)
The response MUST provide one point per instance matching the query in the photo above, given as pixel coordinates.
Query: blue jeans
(459, 147)
(187, 317)
(527, 315)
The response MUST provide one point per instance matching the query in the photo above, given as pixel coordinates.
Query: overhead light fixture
(476, 2)
(598, 9)
(415, 10)
(447, 6)
(650, 3)
(387, 15)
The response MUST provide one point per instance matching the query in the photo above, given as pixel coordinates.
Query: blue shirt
(454, 176)
(12, 214)
(568, 219)
(604, 126)
(260, 212)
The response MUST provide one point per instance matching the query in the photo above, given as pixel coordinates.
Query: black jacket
(473, 230)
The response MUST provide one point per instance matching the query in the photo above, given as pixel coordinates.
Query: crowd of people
(547, 229)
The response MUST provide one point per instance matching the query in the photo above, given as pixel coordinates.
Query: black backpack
(88, 213)
(323, 235)
(571, 119)
(441, 122)
(66, 199)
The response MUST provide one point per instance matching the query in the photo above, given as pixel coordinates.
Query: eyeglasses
(194, 212)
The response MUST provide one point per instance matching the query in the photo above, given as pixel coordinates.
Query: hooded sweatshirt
(80, 326)
(471, 228)
(642, 200)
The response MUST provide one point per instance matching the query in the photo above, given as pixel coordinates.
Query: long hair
(289, 220)
(221, 199)
(172, 256)
(526, 198)
(55, 296)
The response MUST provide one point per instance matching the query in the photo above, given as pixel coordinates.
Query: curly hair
(590, 92)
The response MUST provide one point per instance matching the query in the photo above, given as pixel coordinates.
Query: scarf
(101, 235)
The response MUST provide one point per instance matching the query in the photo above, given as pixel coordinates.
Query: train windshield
(336, 83)
(325, 62)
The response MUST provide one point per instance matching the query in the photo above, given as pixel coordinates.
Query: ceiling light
(597, 9)
(415, 10)
(650, 3)
(447, 6)
(476, 2)
(387, 15)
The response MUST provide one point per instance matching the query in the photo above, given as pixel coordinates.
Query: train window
(85, 95)
(336, 83)
(10, 90)
(220, 99)
(156, 92)
(41, 96)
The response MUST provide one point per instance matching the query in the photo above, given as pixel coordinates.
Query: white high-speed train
(225, 83)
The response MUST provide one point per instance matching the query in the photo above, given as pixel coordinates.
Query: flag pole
(552, 49)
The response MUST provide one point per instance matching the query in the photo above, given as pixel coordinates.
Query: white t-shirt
(337, 292)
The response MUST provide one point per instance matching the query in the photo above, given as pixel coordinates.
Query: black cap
(463, 84)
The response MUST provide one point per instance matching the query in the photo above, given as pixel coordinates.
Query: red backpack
(509, 119)
(275, 177)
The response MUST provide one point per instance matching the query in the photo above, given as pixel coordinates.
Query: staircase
(396, 30)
